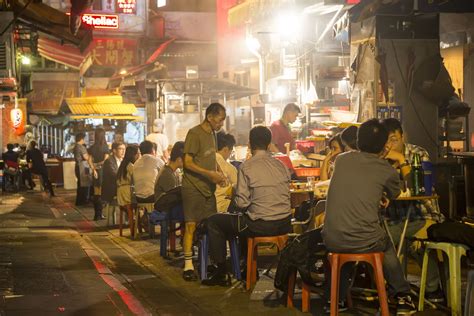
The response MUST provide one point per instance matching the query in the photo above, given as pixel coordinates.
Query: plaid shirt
(426, 209)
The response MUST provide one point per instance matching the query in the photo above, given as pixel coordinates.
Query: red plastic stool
(375, 259)
(305, 295)
(252, 253)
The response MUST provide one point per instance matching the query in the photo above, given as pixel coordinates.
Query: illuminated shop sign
(101, 21)
(126, 6)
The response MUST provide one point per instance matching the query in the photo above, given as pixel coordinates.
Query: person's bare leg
(190, 227)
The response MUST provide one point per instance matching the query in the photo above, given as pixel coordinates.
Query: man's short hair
(177, 151)
(80, 136)
(392, 125)
(225, 140)
(260, 137)
(214, 109)
(372, 136)
(146, 147)
(116, 145)
(291, 107)
(10, 146)
(349, 136)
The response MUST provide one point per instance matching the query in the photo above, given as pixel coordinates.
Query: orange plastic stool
(252, 253)
(375, 259)
(305, 295)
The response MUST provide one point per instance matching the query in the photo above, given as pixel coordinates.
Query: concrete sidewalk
(137, 266)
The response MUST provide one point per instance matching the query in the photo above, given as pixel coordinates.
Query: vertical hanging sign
(126, 6)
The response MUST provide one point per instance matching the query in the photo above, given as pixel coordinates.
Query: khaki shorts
(196, 206)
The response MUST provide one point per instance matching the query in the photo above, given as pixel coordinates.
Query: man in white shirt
(225, 146)
(145, 172)
(159, 139)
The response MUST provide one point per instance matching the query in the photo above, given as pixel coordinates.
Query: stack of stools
(454, 253)
(252, 253)
(375, 259)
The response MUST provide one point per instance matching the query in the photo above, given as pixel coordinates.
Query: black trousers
(81, 192)
(44, 177)
(225, 226)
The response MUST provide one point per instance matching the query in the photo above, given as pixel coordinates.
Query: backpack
(166, 201)
(453, 232)
(301, 254)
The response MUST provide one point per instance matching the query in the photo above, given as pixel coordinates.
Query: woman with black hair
(124, 182)
(99, 152)
(335, 147)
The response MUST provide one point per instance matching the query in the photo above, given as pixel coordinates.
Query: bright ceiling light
(25, 60)
(280, 92)
(252, 43)
(160, 3)
(123, 72)
(288, 24)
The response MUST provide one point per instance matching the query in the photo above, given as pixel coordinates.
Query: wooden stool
(252, 253)
(136, 221)
(129, 210)
(375, 259)
(305, 296)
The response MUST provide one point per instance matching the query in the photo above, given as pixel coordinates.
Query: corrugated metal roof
(100, 105)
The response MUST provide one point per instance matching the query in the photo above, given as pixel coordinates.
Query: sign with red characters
(101, 21)
(126, 6)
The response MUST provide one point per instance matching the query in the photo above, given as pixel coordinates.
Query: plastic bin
(307, 172)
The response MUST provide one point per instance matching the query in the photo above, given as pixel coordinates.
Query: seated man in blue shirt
(263, 191)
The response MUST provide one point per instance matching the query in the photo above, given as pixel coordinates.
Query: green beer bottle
(417, 176)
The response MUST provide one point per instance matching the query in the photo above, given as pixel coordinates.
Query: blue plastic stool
(164, 219)
(234, 257)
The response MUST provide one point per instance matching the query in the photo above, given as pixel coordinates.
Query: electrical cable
(15, 18)
(409, 95)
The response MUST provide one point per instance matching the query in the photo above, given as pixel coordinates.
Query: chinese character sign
(126, 6)
(114, 52)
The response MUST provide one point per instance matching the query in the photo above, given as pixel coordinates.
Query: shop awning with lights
(102, 107)
(65, 54)
(50, 21)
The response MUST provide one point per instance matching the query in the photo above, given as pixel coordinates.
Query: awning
(250, 9)
(66, 54)
(49, 20)
(107, 106)
(108, 117)
(151, 65)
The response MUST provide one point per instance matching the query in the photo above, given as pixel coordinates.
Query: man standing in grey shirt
(263, 191)
(361, 180)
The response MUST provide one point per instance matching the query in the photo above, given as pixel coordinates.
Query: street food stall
(182, 104)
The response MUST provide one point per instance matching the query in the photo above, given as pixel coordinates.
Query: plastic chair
(469, 303)
(305, 296)
(454, 253)
(234, 257)
(252, 253)
(375, 259)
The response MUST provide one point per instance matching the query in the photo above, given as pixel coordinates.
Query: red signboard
(114, 52)
(101, 21)
(126, 6)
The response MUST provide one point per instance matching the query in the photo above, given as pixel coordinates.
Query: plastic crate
(305, 146)
(307, 172)
(285, 160)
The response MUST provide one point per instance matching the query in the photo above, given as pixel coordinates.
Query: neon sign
(126, 6)
(101, 21)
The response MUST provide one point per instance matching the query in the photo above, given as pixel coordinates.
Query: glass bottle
(417, 176)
